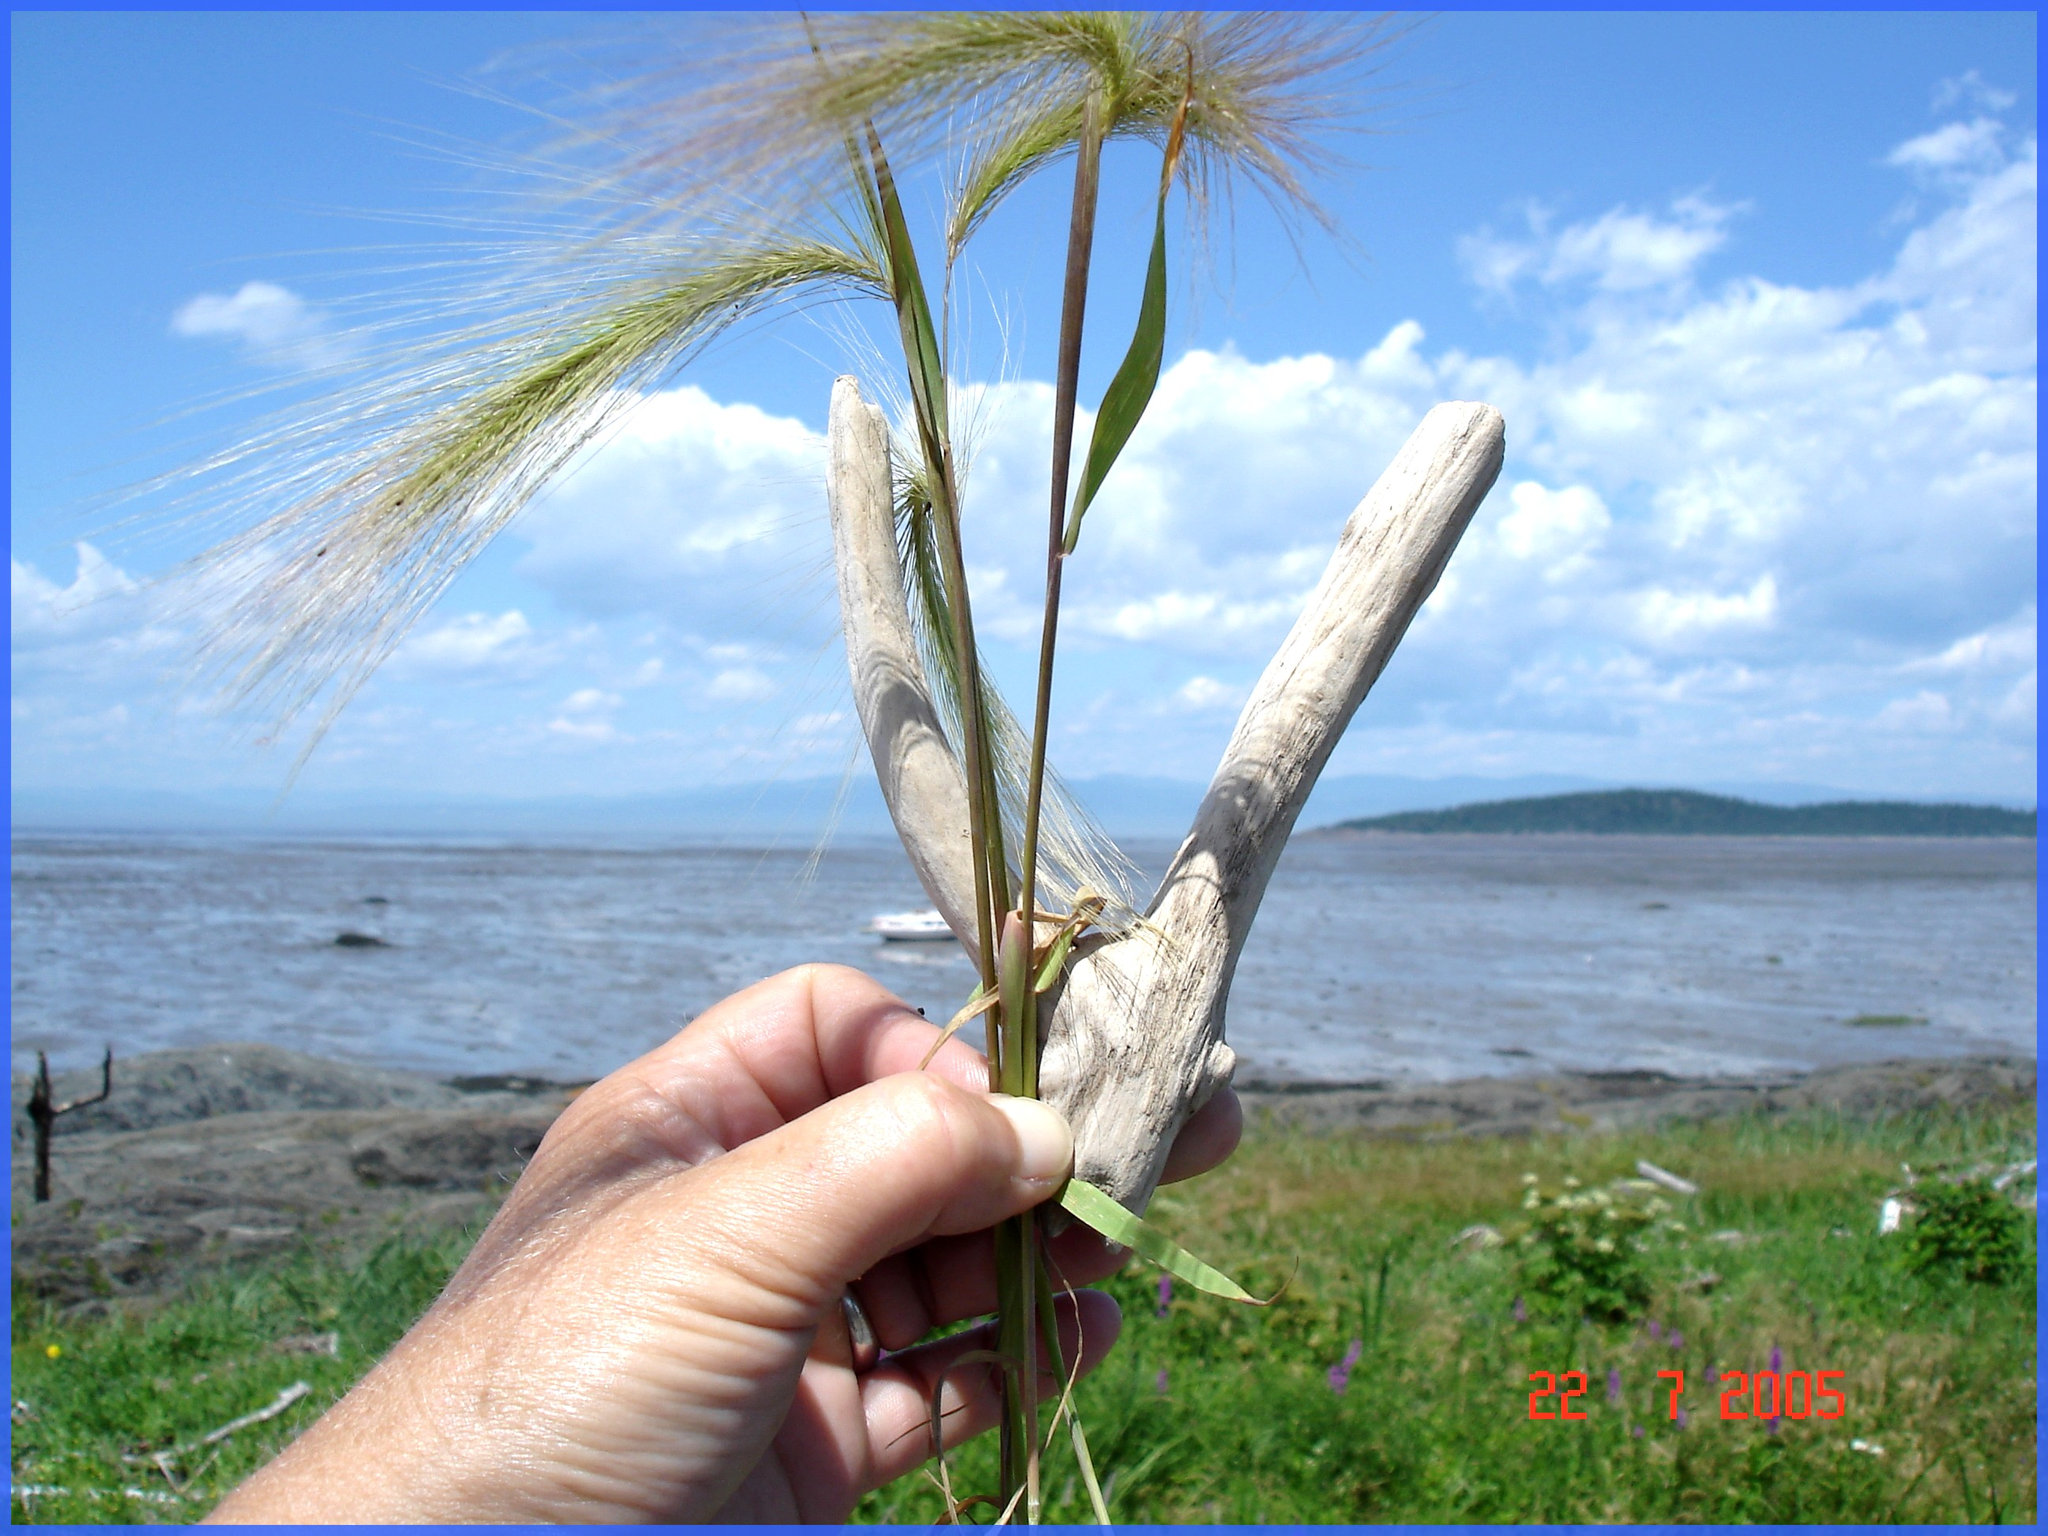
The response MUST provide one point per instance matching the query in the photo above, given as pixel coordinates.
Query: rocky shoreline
(208, 1156)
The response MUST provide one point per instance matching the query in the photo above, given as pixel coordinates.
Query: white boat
(911, 927)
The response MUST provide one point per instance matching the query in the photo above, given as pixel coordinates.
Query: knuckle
(825, 976)
(932, 1114)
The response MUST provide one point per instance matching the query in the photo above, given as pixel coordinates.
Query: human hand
(650, 1328)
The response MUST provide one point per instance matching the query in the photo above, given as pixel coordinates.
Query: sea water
(1392, 957)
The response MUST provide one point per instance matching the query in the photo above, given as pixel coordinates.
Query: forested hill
(1686, 811)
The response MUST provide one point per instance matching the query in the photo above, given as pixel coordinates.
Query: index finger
(774, 1052)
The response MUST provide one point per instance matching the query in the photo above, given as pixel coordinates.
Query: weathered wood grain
(1136, 1039)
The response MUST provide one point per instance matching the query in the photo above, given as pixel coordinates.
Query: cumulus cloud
(584, 728)
(270, 323)
(1749, 502)
(103, 628)
(1207, 693)
(1747, 529)
(1619, 252)
(474, 642)
(1971, 89)
(1953, 147)
(1559, 531)
(739, 683)
(1666, 615)
(2001, 648)
(707, 514)
(42, 611)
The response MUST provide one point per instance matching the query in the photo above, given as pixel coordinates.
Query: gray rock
(134, 1213)
(173, 1087)
(1594, 1101)
(205, 1157)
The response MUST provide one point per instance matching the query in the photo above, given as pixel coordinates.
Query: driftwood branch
(44, 1112)
(1136, 1043)
(921, 777)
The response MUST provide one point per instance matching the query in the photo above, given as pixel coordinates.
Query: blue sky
(1755, 293)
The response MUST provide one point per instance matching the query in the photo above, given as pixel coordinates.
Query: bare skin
(650, 1329)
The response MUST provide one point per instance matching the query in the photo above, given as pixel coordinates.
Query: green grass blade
(1131, 390)
(1091, 1205)
(1013, 975)
(1055, 959)
(1095, 1501)
(913, 310)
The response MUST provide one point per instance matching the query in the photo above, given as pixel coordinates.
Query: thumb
(818, 1202)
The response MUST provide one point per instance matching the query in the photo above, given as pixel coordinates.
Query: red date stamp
(1766, 1395)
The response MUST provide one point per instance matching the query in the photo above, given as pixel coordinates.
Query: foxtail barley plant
(366, 510)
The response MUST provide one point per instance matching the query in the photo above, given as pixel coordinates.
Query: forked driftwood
(1135, 1045)
(44, 1112)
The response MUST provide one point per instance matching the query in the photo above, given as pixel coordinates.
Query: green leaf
(1087, 1462)
(1055, 958)
(1091, 1205)
(1013, 975)
(913, 311)
(1131, 390)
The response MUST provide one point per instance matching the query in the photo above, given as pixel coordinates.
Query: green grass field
(1214, 1412)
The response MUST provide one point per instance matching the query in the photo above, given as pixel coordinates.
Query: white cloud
(271, 323)
(1205, 693)
(102, 628)
(1953, 147)
(1753, 503)
(1971, 89)
(2017, 706)
(740, 683)
(1747, 527)
(1667, 615)
(1999, 648)
(1559, 530)
(711, 515)
(1618, 252)
(1625, 251)
(472, 643)
(42, 610)
(582, 728)
(1925, 711)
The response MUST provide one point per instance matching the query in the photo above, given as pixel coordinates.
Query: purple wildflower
(1772, 1423)
(1713, 1374)
(1675, 1339)
(1684, 1418)
(1521, 1312)
(1340, 1373)
(1656, 1332)
(1613, 1385)
(1165, 1295)
(1777, 1361)
(1159, 1381)
(1639, 1431)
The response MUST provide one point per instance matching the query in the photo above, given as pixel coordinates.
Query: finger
(806, 1207)
(1209, 1137)
(762, 1058)
(897, 1394)
(947, 1279)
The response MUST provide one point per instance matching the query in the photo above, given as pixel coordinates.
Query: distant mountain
(788, 812)
(783, 813)
(1687, 811)
(798, 812)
